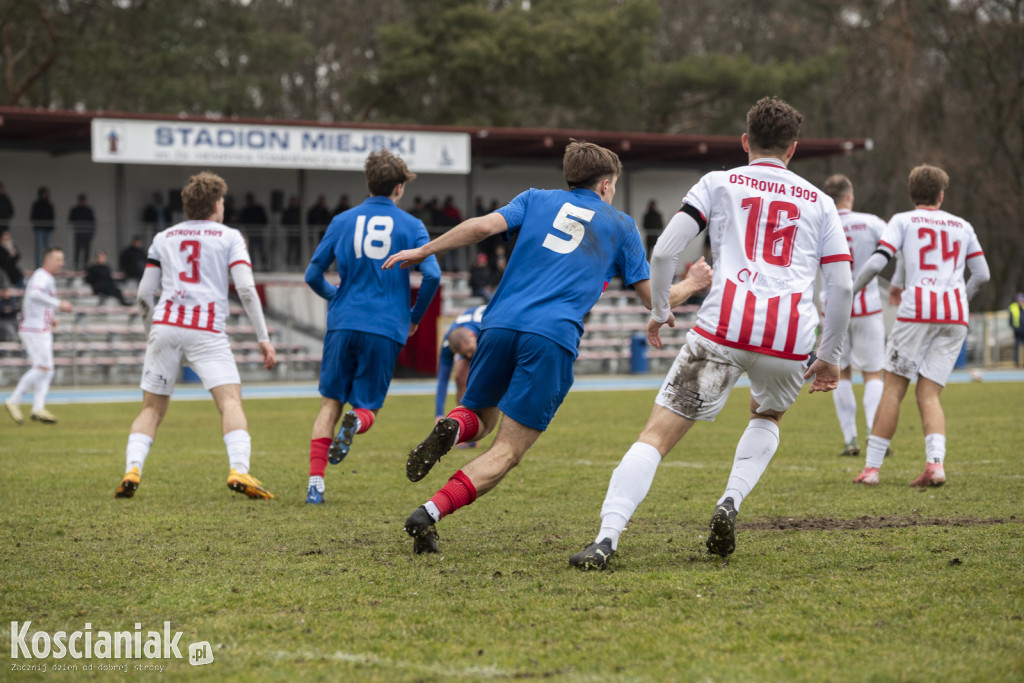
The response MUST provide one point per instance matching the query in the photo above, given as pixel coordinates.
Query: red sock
(459, 491)
(469, 423)
(365, 419)
(318, 456)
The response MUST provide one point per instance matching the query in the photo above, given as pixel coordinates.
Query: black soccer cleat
(594, 556)
(420, 526)
(722, 539)
(343, 441)
(438, 442)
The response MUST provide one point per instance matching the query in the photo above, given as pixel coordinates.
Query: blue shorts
(525, 375)
(357, 367)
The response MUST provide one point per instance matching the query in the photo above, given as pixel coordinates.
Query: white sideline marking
(440, 670)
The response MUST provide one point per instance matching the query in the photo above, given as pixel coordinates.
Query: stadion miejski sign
(200, 143)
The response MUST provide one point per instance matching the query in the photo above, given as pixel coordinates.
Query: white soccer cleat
(15, 411)
(933, 475)
(868, 477)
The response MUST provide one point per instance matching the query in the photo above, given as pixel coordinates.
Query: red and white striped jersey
(769, 230)
(935, 246)
(863, 230)
(39, 303)
(195, 258)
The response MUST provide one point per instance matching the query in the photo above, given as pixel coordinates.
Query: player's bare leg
(886, 420)
(754, 451)
(630, 483)
(460, 425)
(140, 439)
(475, 479)
(235, 428)
(933, 422)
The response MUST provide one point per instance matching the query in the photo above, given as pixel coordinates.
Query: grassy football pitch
(830, 581)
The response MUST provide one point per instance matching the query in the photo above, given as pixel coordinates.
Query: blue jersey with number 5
(369, 299)
(570, 242)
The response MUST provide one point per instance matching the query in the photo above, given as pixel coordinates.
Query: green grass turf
(830, 581)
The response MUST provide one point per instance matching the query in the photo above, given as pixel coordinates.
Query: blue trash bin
(961, 360)
(638, 354)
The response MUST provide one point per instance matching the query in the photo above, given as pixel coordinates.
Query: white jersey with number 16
(195, 258)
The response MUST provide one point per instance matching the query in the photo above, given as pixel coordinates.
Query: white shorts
(926, 349)
(864, 348)
(39, 347)
(209, 354)
(704, 373)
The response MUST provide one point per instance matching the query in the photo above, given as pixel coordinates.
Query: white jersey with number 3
(770, 230)
(935, 246)
(195, 258)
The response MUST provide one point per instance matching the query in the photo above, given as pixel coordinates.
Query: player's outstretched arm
(839, 300)
(679, 232)
(146, 297)
(979, 274)
(465, 233)
(872, 267)
(245, 285)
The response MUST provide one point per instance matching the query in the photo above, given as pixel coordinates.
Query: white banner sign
(195, 143)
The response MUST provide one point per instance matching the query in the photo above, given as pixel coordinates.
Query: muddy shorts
(926, 349)
(704, 373)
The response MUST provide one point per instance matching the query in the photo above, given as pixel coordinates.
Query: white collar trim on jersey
(768, 161)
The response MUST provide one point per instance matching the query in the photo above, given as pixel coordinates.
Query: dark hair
(585, 164)
(772, 125)
(384, 171)
(201, 195)
(926, 184)
(836, 186)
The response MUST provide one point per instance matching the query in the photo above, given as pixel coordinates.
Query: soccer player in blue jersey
(568, 242)
(368, 316)
(457, 350)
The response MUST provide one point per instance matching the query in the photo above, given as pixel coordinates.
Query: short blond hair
(384, 171)
(201, 194)
(585, 164)
(926, 183)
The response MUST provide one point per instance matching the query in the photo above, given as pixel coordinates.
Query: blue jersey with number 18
(569, 242)
(369, 299)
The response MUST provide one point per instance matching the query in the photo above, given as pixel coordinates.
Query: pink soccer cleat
(869, 477)
(933, 475)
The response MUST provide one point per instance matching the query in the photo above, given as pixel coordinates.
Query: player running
(368, 316)
(569, 241)
(189, 263)
(770, 231)
(36, 332)
(931, 323)
(865, 337)
(457, 351)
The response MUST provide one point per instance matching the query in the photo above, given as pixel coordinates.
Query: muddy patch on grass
(866, 522)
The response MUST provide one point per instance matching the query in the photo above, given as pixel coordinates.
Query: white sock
(935, 448)
(432, 510)
(239, 445)
(846, 409)
(629, 485)
(877, 446)
(42, 389)
(758, 444)
(27, 381)
(872, 395)
(136, 451)
(317, 481)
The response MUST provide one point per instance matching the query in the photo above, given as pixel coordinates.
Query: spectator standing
(421, 211)
(10, 307)
(291, 217)
(1017, 324)
(481, 278)
(156, 215)
(318, 217)
(653, 225)
(9, 257)
(98, 276)
(132, 260)
(83, 226)
(6, 208)
(41, 216)
(343, 205)
(253, 218)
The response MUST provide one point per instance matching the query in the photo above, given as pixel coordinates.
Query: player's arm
(837, 278)
(428, 287)
(322, 259)
(467, 232)
(899, 276)
(146, 297)
(873, 266)
(38, 295)
(444, 374)
(698, 278)
(245, 285)
(979, 273)
(686, 224)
